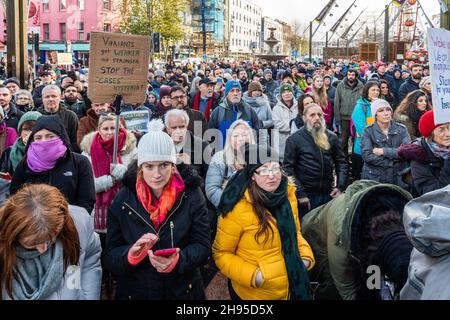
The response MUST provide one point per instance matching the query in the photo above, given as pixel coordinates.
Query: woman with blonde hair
(48, 249)
(226, 162)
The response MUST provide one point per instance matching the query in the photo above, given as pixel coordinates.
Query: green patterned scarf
(17, 153)
(278, 204)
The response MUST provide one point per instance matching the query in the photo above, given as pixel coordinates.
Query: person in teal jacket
(361, 117)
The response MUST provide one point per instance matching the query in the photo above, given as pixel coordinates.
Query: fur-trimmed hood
(189, 174)
(88, 139)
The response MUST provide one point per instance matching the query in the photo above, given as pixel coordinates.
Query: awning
(80, 46)
(52, 47)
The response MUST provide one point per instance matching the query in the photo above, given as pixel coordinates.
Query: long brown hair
(409, 104)
(257, 198)
(37, 213)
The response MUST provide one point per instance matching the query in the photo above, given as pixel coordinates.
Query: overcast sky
(306, 10)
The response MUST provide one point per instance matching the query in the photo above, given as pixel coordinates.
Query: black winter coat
(408, 86)
(311, 167)
(72, 175)
(186, 227)
(12, 117)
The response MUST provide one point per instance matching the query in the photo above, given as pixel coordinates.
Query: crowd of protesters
(275, 175)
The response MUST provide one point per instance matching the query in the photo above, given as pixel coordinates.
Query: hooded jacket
(427, 222)
(334, 233)
(72, 174)
(70, 122)
(238, 255)
(186, 227)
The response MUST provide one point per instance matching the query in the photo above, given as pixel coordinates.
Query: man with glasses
(197, 124)
(311, 156)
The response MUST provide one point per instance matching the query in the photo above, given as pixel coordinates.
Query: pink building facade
(65, 25)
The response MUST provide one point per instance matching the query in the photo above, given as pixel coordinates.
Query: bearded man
(311, 156)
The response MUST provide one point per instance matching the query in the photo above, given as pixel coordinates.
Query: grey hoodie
(427, 224)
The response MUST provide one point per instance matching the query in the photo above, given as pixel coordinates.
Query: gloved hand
(118, 170)
(140, 248)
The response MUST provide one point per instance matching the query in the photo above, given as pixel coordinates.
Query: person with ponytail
(48, 160)
(48, 248)
(160, 206)
(258, 245)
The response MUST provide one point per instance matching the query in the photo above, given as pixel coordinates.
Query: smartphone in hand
(165, 252)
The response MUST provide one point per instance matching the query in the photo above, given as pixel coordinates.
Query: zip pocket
(172, 226)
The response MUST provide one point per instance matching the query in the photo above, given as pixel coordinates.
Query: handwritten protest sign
(64, 59)
(439, 53)
(118, 65)
(136, 120)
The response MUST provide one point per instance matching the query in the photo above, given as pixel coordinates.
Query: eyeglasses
(267, 172)
(179, 97)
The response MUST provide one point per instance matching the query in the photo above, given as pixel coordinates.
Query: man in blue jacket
(231, 109)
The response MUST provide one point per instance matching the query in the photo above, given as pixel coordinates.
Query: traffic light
(156, 42)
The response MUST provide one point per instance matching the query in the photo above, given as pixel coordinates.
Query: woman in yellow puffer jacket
(258, 245)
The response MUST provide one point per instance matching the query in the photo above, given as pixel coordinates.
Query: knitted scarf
(159, 208)
(209, 105)
(443, 153)
(102, 157)
(279, 206)
(37, 276)
(17, 153)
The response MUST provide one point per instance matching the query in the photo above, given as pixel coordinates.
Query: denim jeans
(315, 200)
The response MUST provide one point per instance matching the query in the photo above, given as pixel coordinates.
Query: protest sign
(136, 120)
(439, 55)
(64, 59)
(118, 65)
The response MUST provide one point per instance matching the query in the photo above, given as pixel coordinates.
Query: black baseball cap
(206, 81)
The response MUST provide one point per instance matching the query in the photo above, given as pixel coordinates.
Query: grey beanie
(159, 73)
(267, 71)
(156, 145)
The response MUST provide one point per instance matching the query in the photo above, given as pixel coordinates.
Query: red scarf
(101, 158)
(159, 208)
(209, 104)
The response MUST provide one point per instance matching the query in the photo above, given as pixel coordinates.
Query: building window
(46, 27)
(62, 31)
(107, 4)
(81, 4)
(45, 6)
(107, 27)
(62, 5)
(81, 31)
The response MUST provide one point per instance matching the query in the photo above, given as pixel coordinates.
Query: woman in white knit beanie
(158, 208)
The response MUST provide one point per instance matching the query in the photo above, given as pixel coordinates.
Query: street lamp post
(203, 28)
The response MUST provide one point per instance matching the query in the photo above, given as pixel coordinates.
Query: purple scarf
(42, 155)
